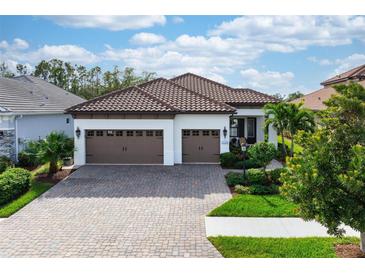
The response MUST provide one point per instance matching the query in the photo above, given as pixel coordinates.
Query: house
(30, 108)
(314, 100)
(187, 119)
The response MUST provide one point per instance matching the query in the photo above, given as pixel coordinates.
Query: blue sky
(274, 54)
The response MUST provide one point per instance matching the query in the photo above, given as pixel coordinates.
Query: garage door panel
(200, 146)
(124, 147)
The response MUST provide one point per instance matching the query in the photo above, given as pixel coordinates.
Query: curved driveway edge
(119, 211)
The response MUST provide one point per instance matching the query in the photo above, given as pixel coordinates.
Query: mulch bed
(349, 251)
(60, 175)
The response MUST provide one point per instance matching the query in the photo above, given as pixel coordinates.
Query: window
(233, 132)
(205, 132)
(99, 133)
(90, 133)
(215, 132)
(186, 132)
(149, 133)
(139, 133)
(195, 132)
(119, 133)
(109, 133)
(158, 133)
(129, 132)
(67, 120)
(251, 127)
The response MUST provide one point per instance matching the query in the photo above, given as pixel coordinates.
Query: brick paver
(119, 211)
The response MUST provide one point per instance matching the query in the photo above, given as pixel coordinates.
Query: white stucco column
(273, 136)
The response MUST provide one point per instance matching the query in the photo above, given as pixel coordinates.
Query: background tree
(55, 147)
(294, 95)
(327, 179)
(4, 71)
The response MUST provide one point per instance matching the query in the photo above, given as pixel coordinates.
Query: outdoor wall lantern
(225, 132)
(78, 132)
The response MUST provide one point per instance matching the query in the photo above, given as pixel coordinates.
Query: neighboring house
(187, 119)
(314, 100)
(30, 108)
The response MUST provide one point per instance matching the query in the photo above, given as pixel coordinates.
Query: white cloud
(113, 23)
(269, 81)
(177, 20)
(292, 33)
(320, 61)
(146, 38)
(348, 63)
(4, 44)
(20, 44)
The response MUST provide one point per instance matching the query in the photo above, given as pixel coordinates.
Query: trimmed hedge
(263, 190)
(13, 183)
(234, 178)
(5, 162)
(274, 175)
(256, 176)
(231, 160)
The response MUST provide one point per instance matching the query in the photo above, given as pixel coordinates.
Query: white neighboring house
(30, 108)
(187, 119)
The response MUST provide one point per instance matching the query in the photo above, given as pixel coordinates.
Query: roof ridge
(99, 97)
(337, 77)
(156, 99)
(201, 95)
(257, 92)
(203, 78)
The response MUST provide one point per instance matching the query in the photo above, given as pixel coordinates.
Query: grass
(37, 188)
(287, 141)
(246, 205)
(250, 247)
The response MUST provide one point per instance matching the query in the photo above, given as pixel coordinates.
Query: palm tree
(55, 147)
(298, 118)
(277, 117)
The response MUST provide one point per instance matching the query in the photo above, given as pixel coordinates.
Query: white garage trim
(134, 124)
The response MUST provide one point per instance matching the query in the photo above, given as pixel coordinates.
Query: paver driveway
(119, 211)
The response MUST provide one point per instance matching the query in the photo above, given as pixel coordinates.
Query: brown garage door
(200, 146)
(124, 146)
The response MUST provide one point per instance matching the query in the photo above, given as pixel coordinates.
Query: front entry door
(251, 130)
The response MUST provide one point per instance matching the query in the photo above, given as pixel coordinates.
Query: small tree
(262, 153)
(55, 147)
(327, 179)
(277, 117)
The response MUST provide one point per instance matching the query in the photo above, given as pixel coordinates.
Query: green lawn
(249, 247)
(246, 205)
(37, 189)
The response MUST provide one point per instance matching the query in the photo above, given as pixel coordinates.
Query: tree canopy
(327, 178)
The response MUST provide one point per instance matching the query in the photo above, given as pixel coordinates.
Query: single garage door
(200, 146)
(124, 146)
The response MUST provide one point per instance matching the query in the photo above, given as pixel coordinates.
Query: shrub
(228, 159)
(26, 160)
(249, 163)
(13, 183)
(274, 175)
(242, 189)
(256, 176)
(5, 162)
(234, 178)
(262, 153)
(263, 190)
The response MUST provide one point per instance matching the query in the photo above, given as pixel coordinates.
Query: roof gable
(355, 73)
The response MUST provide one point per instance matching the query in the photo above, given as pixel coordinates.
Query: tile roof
(31, 95)
(222, 93)
(159, 95)
(314, 100)
(355, 73)
(187, 93)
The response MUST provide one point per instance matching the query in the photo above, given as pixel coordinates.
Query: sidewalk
(267, 227)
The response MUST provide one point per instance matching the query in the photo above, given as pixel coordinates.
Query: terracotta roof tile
(222, 93)
(355, 73)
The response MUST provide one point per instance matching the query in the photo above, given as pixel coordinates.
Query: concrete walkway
(267, 227)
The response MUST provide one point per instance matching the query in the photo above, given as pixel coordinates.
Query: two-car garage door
(124, 146)
(146, 146)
